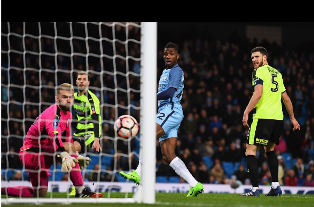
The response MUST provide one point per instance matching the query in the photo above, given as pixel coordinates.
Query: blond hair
(65, 86)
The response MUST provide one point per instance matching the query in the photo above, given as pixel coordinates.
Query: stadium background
(216, 60)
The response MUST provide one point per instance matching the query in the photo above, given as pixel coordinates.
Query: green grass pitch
(204, 199)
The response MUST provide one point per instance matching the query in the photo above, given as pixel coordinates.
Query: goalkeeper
(86, 117)
(43, 141)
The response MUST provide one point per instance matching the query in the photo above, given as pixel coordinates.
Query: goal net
(120, 58)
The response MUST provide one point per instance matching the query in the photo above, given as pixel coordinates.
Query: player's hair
(172, 45)
(260, 49)
(64, 86)
(83, 73)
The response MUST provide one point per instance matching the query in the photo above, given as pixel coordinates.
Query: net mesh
(38, 56)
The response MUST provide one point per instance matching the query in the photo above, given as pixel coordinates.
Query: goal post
(148, 103)
(67, 46)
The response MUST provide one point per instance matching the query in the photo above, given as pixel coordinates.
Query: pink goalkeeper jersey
(48, 129)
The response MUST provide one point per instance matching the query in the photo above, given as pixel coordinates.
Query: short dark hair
(260, 49)
(172, 45)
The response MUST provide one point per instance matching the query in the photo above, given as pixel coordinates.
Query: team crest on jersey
(55, 123)
(164, 78)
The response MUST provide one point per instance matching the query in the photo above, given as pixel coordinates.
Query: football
(126, 126)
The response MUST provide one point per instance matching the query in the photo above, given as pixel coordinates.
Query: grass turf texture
(204, 199)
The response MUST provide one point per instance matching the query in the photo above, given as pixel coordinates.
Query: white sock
(179, 167)
(79, 189)
(254, 189)
(274, 184)
(138, 169)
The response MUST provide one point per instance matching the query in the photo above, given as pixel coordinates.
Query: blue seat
(236, 165)
(208, 161)
(94, 159)
(228, 167)
(287, 159)
(106, 160)
(161, 179)
(174, 179)
(120, 178)
(310, 154)
(8, 173)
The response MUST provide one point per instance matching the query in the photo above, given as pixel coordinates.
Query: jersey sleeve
(258, 77)
(95, 111)
(175, 76)
(282, 85)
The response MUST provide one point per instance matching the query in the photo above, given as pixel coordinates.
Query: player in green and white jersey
(267, 124)
(87, 118)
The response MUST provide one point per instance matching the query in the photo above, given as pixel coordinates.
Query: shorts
(263, 131)
(82, 140)
(170, 121)
(37, 165)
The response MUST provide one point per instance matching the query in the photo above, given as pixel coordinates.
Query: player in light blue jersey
(169, 118)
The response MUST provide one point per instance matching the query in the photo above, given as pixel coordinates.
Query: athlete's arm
(96, 117)
(258, 91)
(288, 104)
(166, 94)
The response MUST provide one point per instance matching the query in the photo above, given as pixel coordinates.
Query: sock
(138, 169)
(79, 189)
(274, 184)
(254, 189)
(180, 168)
(19, 191)
(76, 176)
(252, 169)
(273, 166)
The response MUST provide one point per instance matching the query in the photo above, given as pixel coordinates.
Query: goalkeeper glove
(67, 162)
(83, 161)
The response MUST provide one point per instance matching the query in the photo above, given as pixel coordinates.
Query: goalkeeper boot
(73, 191)
(274, 191)
(133, 176)
(87, 193)
(194, 191)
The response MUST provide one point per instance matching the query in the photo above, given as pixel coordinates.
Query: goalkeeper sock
(19, 191)
(75, 174)
(79, 189)
(180, 168)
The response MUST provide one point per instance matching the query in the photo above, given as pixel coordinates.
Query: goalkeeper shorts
(37, 165)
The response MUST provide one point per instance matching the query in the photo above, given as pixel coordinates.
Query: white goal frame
(145, 192)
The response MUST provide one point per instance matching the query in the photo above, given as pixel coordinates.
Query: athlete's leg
(252, 165)
(159, 132)
(168, 147)
(37, 165)
(272, 163)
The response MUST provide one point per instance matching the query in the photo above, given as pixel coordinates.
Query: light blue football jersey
(173, 77)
